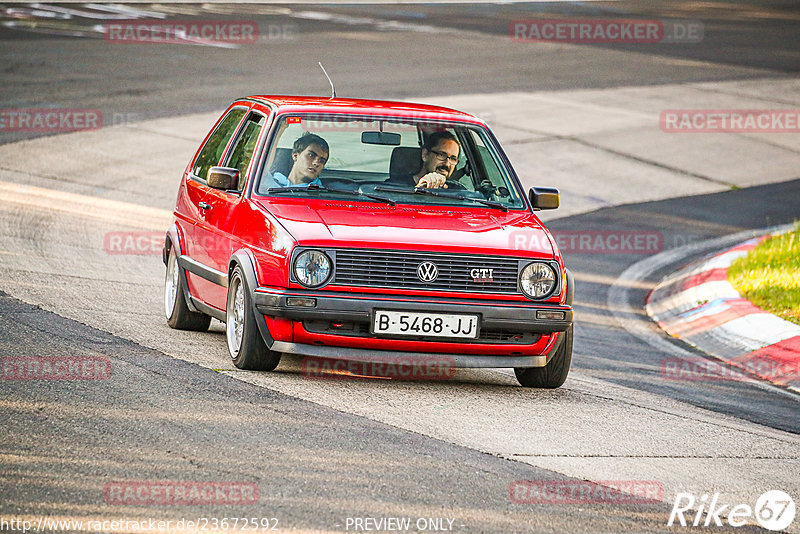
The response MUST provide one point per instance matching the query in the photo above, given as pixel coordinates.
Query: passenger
(310, 154)
(439, 159)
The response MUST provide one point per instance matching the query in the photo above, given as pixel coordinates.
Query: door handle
(204, 205)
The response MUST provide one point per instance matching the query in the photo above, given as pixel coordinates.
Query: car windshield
(382, 160)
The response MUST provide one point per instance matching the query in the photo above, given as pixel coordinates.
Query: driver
(439, 159)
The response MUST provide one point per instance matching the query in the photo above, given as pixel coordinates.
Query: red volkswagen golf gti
(367, 231)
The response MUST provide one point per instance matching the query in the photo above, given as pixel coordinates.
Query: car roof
(358, 106)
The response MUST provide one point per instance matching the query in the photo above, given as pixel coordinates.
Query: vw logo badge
(427, 271)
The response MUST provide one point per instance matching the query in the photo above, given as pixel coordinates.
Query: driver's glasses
(443, 156)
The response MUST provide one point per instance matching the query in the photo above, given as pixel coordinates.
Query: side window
(215, 146)
(504, 190)
(242, 151)
(493, 172)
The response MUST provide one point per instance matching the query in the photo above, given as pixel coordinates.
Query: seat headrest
(282, 162)
(405, 160)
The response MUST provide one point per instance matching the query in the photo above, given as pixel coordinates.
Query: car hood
(316, 222)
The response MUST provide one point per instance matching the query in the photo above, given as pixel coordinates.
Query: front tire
(553, 374)
(245, 344)
(179, 316)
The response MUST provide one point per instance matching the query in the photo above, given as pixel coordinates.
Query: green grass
(769, 276)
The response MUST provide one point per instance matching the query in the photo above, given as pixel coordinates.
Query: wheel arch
(568, 301)
(570, 287)
(173, 239)
(244, 259)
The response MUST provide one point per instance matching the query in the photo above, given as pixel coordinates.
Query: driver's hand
(433, 180)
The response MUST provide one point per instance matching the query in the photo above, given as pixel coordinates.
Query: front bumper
(510, 316)
(534, 349)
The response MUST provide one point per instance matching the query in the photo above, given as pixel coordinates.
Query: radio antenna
(333, 89)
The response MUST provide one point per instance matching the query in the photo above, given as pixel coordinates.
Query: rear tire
(179, 316)
(245, 344)
(553, 374)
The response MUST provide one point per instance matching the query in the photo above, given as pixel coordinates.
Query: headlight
(537, 280)
(312, 268)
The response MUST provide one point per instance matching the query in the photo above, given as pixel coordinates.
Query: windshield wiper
(317, 187)
(431, 192)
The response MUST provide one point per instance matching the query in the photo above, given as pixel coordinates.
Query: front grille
(361, 329)
(398, 269)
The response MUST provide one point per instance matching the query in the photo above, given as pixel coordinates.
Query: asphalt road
(368, 57)
(158, 418)
(622, 359)
(322, 451)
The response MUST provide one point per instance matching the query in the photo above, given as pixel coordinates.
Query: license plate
(404, 323)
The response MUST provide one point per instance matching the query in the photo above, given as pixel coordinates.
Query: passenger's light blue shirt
(277, 179)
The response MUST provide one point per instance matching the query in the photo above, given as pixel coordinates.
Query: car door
(218, 228)
(195, 194)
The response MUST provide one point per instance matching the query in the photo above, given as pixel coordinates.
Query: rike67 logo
(773, 510)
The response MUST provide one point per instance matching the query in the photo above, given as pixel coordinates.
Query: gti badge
(482, 275)
(427, 271)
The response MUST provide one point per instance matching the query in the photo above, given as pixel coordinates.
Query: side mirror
(544, 198)
(224, 178)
